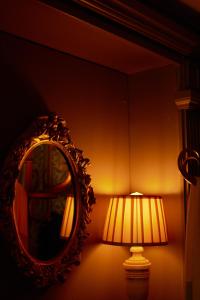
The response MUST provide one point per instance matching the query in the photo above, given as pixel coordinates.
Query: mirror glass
(44, 202)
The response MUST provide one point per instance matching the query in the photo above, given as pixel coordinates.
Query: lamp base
(137, 274)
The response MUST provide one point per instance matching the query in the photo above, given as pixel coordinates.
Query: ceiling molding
(141, 19)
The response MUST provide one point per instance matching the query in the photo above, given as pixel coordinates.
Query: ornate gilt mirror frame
(47, 129)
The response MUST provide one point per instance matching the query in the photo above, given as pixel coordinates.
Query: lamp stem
(137, 274)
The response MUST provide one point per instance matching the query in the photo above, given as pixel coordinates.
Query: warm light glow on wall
(102, 186)
(156, 184)
(107, 186)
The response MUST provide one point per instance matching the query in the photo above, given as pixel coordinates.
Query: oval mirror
(46, 200)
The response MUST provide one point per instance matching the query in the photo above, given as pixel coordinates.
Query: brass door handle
(184, 158)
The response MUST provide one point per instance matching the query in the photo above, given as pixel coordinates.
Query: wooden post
(188, 102)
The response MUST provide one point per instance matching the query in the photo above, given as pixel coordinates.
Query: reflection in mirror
(44, 202)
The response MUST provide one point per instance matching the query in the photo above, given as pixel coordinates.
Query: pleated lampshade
(135, 220)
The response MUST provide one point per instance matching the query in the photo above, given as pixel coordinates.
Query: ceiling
(36, 21)
(45, 25)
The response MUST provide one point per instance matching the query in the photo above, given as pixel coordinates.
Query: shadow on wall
(20, 105)
(13, 284)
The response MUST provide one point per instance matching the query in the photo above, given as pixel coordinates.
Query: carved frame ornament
(50, 129)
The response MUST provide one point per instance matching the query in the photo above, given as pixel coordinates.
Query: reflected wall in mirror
(46, 200)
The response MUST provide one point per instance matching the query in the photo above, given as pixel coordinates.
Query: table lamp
(136, 221)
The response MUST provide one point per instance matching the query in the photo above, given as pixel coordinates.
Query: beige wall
(155, 145)
(94, 101)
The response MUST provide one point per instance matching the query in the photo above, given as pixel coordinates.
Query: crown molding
(137, 17)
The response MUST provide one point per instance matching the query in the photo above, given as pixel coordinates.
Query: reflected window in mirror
(44, 202)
